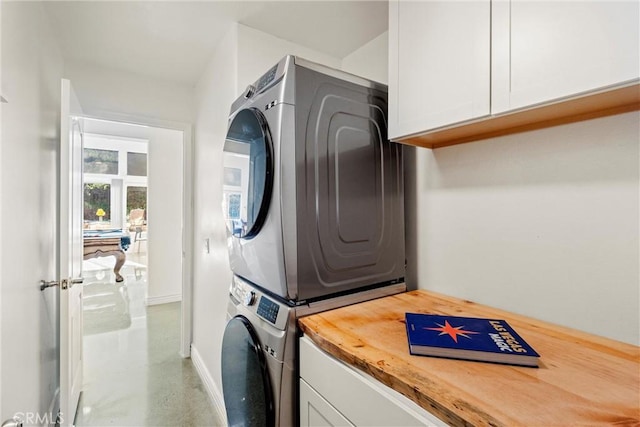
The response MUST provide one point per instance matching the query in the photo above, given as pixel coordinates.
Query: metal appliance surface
(259, 352)
(313, 189)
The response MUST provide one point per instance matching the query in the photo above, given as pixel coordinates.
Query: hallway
(133, 374)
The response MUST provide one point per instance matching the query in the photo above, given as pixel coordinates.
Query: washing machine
(258, 358)
(313, 189)
(259, 352)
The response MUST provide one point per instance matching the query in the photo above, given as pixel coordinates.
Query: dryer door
(248, 173)
(245, 379)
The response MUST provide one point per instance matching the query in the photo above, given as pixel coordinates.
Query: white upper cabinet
(439, 64)
(547, 50)
(466, 70)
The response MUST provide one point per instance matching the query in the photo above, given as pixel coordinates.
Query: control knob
(249, 91)
(249, 298)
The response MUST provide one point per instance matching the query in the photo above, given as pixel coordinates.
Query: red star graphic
(453, 332)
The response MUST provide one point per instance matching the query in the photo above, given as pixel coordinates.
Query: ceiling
(174, 40)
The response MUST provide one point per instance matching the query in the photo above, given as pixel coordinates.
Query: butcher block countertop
(582, 379)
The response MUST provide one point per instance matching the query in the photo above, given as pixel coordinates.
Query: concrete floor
(133, 374)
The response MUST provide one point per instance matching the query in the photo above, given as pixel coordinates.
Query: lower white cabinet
(335, 394)
(316, 411)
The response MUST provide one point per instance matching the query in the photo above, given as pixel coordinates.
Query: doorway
(134, 185)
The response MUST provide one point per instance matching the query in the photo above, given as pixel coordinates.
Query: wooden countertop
(583, 379)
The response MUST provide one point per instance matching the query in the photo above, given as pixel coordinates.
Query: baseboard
(212, 390)
(162, 299)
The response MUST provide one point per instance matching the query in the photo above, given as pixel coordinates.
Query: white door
(70, 259)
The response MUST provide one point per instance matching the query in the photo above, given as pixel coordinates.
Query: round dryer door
(245, 379)
(248, 173)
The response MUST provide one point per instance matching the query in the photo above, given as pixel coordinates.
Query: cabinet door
(316, 411)
(359, 398)
(548, 50)
(439, 64)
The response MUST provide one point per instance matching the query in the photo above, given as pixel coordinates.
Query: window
(136, 199)
(101, 161)
(233, 177)
(97, 202)
(136, 164)
(115, 171)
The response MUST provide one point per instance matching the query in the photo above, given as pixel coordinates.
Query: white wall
(114, 94)
(31, 72)
(542, 223)
(215, 92)
(241, 58)
(165, 219)
(370, 61)
(259, 51)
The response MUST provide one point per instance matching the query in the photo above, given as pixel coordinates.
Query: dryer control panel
(266, 78)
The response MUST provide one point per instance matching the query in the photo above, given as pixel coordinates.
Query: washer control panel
(256, 302)
(268, 309)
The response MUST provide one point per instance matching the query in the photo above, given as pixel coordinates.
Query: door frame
(186, 323)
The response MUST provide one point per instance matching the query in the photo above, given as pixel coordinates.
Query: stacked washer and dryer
(313, 202)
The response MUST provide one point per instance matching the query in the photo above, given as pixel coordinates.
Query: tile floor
(133, 374)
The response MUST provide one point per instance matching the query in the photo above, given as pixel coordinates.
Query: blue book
(470, 338)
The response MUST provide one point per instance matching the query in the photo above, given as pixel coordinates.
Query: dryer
(313, 189)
